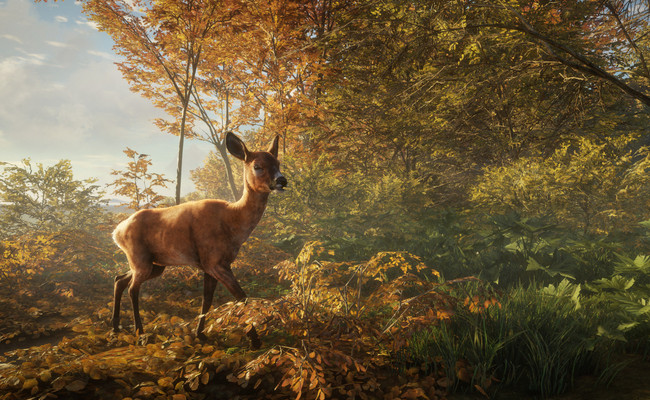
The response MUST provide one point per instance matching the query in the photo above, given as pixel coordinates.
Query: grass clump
(539, 340)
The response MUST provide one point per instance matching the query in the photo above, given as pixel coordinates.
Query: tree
(261, 73)
(436, 91)
(246, 63)
(211, 179)
(137, 183)
(162, 44)
(47, 200)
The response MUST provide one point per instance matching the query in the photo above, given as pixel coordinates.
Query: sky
(62, 97)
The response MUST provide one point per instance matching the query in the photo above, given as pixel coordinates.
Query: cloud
(12, 38)
(60, 89)
(102, 54)
(91, 24)
(57, 44)
(11, 68)
(61, 97)
(60, 18)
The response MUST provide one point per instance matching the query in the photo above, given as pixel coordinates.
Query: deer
(206, 234)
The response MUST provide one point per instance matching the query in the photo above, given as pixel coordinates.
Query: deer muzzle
(280, 183)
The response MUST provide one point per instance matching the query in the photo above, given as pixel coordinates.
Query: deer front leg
(226, 277)
(209, 284)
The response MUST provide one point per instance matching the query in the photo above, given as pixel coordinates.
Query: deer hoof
(256, 343)
(201, 336)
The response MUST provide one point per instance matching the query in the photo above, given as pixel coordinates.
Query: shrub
(594, 187)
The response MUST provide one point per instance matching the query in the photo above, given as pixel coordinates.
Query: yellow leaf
(313, 384)
(165, 382)
(76, 386)
(207, 349)
(464, 375)
(58, 383)
(45, 376)
(78, 328)
(95, 374)
(30, 383)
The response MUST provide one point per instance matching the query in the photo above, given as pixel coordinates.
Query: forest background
(468, 204)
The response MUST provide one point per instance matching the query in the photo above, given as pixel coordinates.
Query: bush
(625, 296)
(590, 186)
(357, 214)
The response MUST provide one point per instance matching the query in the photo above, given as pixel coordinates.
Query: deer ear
(273, 148)
(236, 147)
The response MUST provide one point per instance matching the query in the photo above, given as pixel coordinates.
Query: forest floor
(56, 341)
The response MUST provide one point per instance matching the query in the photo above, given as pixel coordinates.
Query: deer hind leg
(209, 284)
(145, 272)
(121, 282)
(142, 269)
(226, 277)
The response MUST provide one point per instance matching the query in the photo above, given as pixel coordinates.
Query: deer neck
(250, 208)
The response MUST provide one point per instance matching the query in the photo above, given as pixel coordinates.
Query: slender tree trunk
(224, 154)
(219, 143)
(231, 180)
(181, 142)
(194, 59)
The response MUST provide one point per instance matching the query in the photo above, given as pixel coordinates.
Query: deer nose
(281, 181)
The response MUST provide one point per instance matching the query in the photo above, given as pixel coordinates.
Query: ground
(61, 343)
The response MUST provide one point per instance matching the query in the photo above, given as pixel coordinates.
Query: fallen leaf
(30, 383)
(76, 386)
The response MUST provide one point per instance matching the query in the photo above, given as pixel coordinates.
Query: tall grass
(540, 340)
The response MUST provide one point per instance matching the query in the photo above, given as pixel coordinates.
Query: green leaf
(626, 326)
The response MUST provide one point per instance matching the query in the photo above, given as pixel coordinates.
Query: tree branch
(644, 64)
(574, 60)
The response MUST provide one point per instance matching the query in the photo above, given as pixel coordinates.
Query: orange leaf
(481, 390)
(443, 382)
(205, 378)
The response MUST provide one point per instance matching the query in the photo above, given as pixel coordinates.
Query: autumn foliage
(319, 339)
(467, 207)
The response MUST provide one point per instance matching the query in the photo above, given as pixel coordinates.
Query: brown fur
(206, 234)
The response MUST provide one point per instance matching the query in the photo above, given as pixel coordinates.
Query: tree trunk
(224, 154)
(193, 64)
(181, 141)
(231, 180)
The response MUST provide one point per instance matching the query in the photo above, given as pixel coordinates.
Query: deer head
(261, 168)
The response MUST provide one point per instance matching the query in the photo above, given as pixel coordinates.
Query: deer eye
(257, 167)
